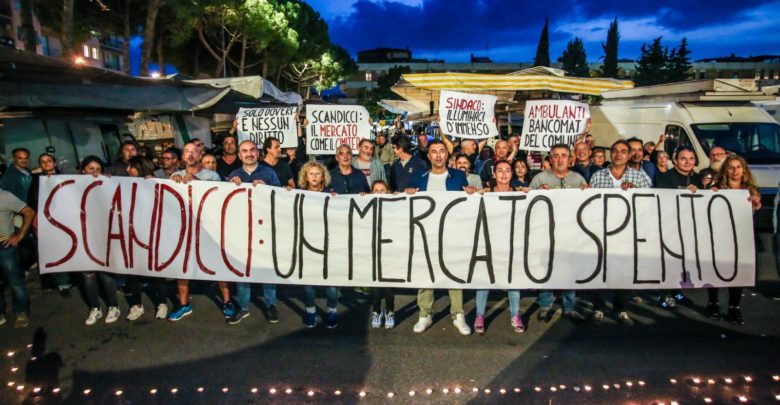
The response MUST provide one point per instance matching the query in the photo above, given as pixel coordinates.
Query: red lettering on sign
(47, 214)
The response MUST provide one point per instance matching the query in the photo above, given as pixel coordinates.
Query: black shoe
(735, 316)
(573, 316)
(273, 314)
(237, 316)
(544, 315)
(713, 311)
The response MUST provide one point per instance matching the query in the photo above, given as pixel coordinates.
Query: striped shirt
(603, 179)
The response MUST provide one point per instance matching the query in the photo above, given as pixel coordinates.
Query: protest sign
(550, 122)
(256, 124)
(466, 115)
(550, 239)
(331, 126)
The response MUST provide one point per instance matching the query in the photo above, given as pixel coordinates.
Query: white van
(702, 122)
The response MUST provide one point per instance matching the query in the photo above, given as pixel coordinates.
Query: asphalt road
(677, 356)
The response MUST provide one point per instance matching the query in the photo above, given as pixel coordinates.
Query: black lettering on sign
(599, 247)
(442, 222)
(353, 207)
(378, 234)
(415, 220)
(551, 229)
(514, 200)
(733, 236)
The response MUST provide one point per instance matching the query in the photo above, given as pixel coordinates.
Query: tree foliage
(610, 66)
(658, 65)
(575, 59)
(542, 57)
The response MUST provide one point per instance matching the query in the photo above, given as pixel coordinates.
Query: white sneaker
(94, 315)
(422, 324)
(112, 315)
(460, 323)
(376, 320)
(162, 311)
(389, 320)
(136, 311)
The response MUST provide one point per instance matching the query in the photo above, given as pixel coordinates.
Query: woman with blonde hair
(734, 174)
(315, 177)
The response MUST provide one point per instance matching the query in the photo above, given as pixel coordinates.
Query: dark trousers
(91, 288)
(388, 294)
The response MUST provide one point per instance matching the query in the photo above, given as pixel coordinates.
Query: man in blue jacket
(440, 178)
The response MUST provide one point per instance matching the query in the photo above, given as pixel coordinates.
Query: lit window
(86, 51)
(95, 53)
(369, 77)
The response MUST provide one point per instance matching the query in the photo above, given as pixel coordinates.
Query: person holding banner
(194, 170)
(377, 293)
(683, 177)
(558, 176)
(170, 163)
(440, 178)
(273, 152)
(734, 174)
(315, 177)
(254, 173)
(407, 167)
(140, 166)
(93, 166)
(637, 160)
(467, 146)
(502, 173)
(618, 175)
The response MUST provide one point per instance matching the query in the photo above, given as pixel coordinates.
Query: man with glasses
(558, 176)
(717, 156)
(170, 164)
(618, 175)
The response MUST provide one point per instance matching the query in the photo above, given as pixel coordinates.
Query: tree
(118, 16)
(320, 73)
(679, 63)
(610, 66)
(543, 49)
(652, 64)
(574, 59)
(152, 9)
(67, 27)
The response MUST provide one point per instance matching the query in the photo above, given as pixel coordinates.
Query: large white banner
(549, 122)
(555, 239)
(330, 126)
(466, 115)
(256, 124)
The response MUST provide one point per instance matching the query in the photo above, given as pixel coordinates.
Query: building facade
(101, 51)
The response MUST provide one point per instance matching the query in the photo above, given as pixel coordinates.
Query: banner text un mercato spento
(560, 239)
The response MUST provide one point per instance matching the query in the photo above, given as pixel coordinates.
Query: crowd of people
(403, 163)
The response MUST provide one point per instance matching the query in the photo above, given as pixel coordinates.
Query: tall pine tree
(575, 59)
(610, 66)
(679, 63)
(651, 67)
(543, 49)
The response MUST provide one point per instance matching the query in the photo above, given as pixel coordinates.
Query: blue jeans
(244, 292)
(514, 301)
(14, 277)
(569, 300)
(331, 293)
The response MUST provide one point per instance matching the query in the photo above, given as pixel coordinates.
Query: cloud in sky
(509, 30)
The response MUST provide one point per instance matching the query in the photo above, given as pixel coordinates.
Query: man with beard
(229, 161)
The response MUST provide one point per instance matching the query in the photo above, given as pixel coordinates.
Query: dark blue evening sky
(508, 30)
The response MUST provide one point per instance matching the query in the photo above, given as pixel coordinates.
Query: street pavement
(679, 356)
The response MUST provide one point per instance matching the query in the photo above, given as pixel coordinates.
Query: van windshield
(758, 143)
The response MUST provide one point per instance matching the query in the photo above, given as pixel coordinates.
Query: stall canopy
(425, 87)
(34, 81)
(255, 87)
(412, 109)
